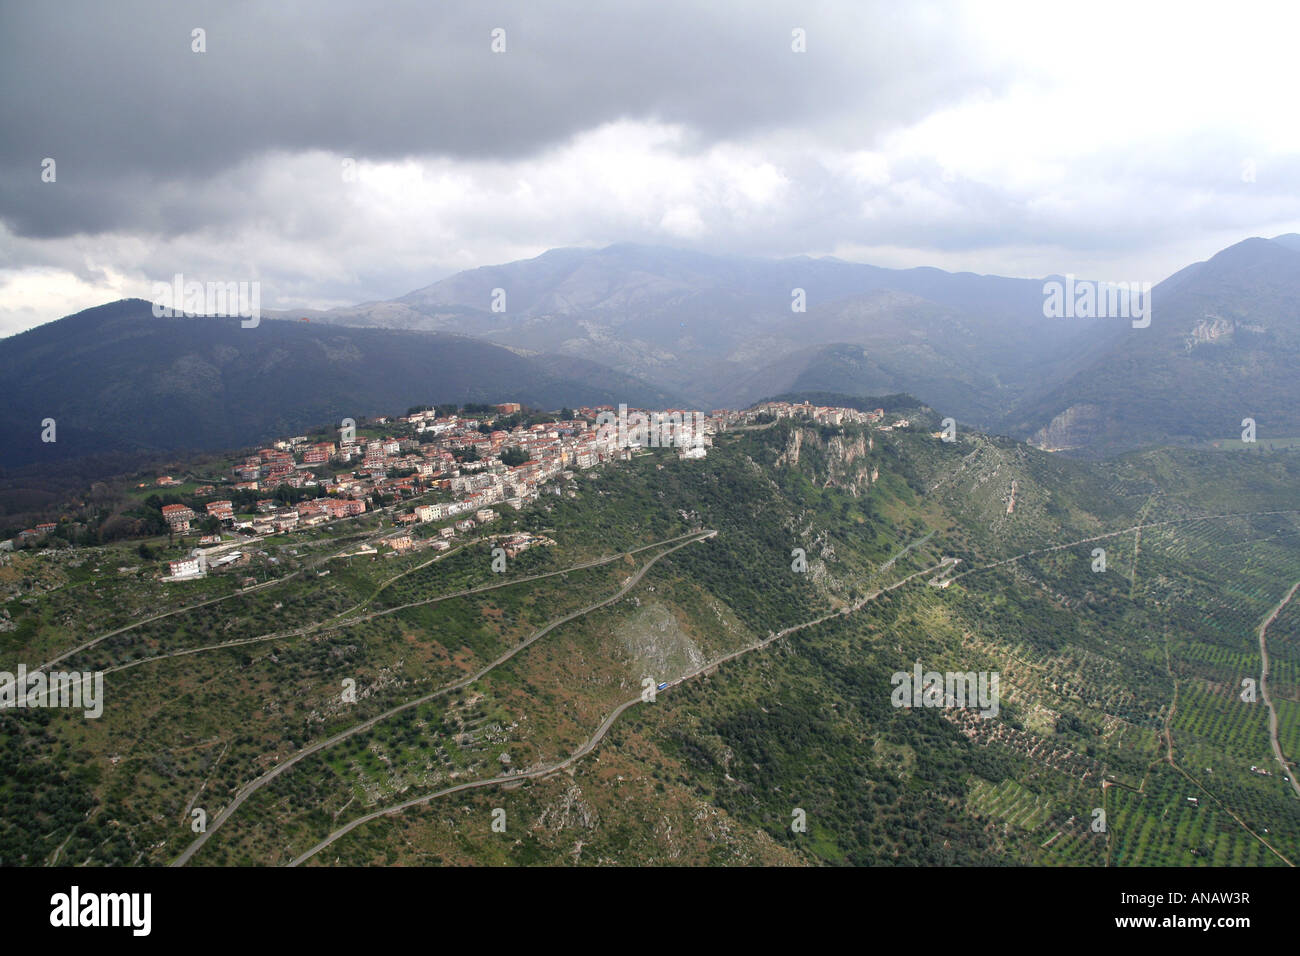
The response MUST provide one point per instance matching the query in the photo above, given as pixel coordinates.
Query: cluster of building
(405, 541)
(272, 516)
(549, 451)
(199, 562)
(40, 531)
(425, 453)
(519, 542)
(462, 456)
(821, 414)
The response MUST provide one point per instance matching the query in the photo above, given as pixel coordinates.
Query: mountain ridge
(115, 378)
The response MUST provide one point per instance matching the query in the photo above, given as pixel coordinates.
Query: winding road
(271, 774)
(594, 740)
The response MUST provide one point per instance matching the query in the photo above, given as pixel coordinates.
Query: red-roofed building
(178, 517)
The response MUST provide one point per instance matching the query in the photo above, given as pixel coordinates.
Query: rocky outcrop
(842, 460)
(1209, 330)
(1073, 428)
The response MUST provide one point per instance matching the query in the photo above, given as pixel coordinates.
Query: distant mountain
(1223, 345)
(662, 327)
(855, 370)
(722, 330)
(114, 378)
(1291, 240)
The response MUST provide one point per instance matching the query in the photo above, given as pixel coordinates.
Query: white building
(183, 568)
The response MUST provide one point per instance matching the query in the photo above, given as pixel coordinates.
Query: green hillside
(1119, 687)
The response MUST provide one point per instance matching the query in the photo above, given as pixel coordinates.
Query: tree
(514, 455)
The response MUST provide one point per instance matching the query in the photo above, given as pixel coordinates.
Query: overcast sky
(1113, 140)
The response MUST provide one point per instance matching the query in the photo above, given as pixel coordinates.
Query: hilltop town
(444, 467)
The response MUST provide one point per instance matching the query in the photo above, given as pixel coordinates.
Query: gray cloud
(115, 95)
(939, 134)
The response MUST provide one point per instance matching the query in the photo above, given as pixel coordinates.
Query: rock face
(1073, 428)
(570, 811)
(847, 464)
(839, 462)
(1215, 328)
(790, 456)
(657, 644)
(1210, 329)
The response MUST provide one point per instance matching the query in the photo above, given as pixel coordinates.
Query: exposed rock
(1070, 429)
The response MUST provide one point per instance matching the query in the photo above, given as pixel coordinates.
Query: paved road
(270, 775)
(604, 728)
(306, 629)
(182, 610)
(577, 755)
(593, 741)
(336, 621)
